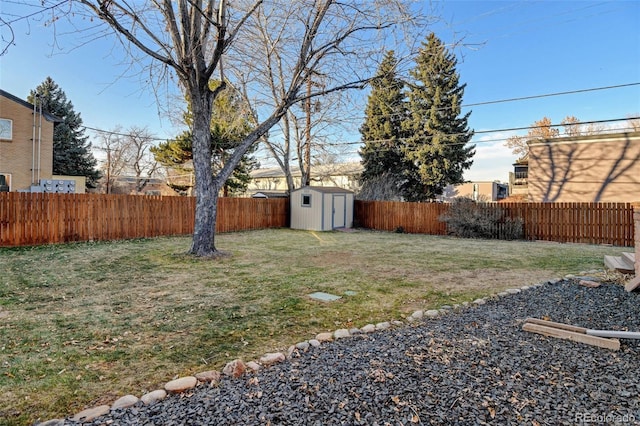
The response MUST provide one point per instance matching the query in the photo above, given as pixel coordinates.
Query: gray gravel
(471, 366)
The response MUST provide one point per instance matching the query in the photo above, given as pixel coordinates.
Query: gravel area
(471, 366)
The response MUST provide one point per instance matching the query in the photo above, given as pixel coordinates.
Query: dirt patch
(482, 279)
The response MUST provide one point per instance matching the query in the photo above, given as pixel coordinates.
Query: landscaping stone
(369, 328)
(234, 368)
(211, 376)
(272, 358)
(153, 397)
(341, 333)
(513, 290)
(432, 313)
(291, 351)
(397, 323)
(417, 315)
(383, 325)
(125, 402)
(324, 337)
(479, 301)
(52, 422)
(354, 331)
(314, 342)
(303, 346)
(180, 385)
(588, 283)
(503, 294)
(91, 414)
(253, 366)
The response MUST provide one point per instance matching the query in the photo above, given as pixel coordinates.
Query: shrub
(467, 218)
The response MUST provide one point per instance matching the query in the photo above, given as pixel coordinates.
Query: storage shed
(321, 208)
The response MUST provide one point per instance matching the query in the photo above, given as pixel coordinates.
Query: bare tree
(541, 129)
(192, 39)
(127, 153)
(271, 52)
(574, 127)
(139, 141)
(116, 157)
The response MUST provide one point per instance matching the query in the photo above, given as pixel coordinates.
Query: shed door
(339, 211)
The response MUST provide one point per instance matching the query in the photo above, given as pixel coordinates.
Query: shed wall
(303, 217)
(320, 215)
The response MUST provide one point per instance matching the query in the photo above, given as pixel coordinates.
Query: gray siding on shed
(319, 215)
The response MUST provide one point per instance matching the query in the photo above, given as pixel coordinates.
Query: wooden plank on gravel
(612, 344)
(633, 284)
(557, 325)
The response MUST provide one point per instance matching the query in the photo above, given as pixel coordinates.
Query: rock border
(238, 367)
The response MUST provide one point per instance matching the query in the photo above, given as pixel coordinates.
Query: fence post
(636, 224)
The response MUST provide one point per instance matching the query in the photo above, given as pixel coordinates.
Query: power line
(612, 120)
(521, 98)
(546, 95)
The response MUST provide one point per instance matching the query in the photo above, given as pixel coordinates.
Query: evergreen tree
(437, 135)
(382, 157)
(229, 126)
(72, 154)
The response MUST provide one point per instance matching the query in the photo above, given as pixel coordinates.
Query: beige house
(26, 149)
(599, 168)
(343, 175)
(26, 143)
(478, 190)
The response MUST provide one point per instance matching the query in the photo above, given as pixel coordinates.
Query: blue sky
(513, 49)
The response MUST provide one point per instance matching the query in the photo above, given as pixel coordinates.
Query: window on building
(6, 129)
(306, 200)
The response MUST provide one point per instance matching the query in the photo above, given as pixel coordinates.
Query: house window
(6, 129)
(5, 182)
(306, 200)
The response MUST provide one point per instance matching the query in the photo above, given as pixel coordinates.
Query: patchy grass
(82, 324)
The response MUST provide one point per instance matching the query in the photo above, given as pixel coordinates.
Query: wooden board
(618, 264)
(601, 342)
(557, 325)
(633, 284)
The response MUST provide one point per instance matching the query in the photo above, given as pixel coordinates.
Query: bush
(467, 218)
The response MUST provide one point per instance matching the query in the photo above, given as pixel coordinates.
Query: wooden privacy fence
(415, 218)
(39, 218)
(590, 223)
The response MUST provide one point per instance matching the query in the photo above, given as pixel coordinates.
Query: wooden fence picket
(590, 223)
(39, 218)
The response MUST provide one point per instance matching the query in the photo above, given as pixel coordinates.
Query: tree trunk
(206, 193)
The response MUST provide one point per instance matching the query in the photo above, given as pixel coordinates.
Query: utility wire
(570, 92)
(521, 98)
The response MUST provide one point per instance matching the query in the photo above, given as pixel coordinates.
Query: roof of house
(324, 189)
(601, 137)
(339, 169)
(48, 116)
(270, 194)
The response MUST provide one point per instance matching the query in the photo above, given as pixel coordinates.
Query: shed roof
(324, 189)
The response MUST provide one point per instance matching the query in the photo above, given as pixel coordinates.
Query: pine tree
(437, 133)
(382, 157)
(229, 125)
(72, 154)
